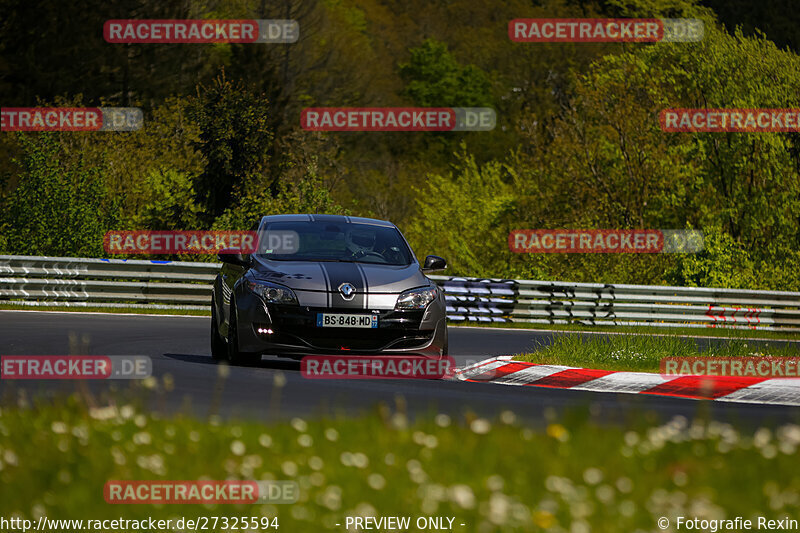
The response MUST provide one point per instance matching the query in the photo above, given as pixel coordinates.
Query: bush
(57, 209)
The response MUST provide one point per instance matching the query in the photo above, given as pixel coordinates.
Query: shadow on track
(269, 362)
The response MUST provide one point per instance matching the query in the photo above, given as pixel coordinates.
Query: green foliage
(726, 262)
(168, 203)
(608, 164)
(56, 210)
(463, 216)
(655, 8)
(435, 79)
(166, 143)
(234, 139)
(722, 263)
(148, 172)
(308, 195)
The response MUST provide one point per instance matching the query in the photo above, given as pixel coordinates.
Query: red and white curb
(504, 371)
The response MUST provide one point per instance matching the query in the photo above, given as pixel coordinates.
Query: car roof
(334, 219)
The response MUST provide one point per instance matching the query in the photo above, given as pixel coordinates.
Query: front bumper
(294, 330)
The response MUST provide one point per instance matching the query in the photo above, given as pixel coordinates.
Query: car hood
(328, 276)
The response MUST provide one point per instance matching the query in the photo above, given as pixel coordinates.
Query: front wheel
(219, 350)
(235, 356)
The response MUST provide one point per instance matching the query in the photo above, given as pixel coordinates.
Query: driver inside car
(361, 244)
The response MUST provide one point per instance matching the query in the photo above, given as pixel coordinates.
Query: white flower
(103, 413)
(508, 417)
(376, 481)
(238, 448)
(495, 483)
(142, 438)
(462, 496)
(299, 424)
(289, 468)
(331, 498)
(592, 476)
(360, 460)
(481, 426)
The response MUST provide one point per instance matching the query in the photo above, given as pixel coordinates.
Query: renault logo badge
(347, 290)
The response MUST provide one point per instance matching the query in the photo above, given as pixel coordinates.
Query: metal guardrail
(65, 281)
(78, 282)
(546, 302)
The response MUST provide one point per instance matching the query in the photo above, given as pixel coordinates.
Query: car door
(229, 275)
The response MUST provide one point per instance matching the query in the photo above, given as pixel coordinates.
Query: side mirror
(434, 262)
(233, 257)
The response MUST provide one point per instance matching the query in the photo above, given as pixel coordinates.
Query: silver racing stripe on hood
(365, 280)
(382, 279)
(327, 285)
(376, 284)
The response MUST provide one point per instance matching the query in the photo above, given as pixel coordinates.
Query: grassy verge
(639, 353)
(642, 330)
(490, 475)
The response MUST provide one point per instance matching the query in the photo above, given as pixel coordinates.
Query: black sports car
(326, 284)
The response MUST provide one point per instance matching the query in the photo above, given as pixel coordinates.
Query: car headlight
(273, 293)
(416, 298)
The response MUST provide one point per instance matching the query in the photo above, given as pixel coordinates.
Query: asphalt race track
(179, 346)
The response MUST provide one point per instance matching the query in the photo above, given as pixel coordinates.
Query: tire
(219, 349)
(236, 357)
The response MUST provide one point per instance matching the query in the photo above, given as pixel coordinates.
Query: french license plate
(341, 320)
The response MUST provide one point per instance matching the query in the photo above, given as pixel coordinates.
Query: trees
(604, 162)
(434, 79)
(622, 171)
(463, 216)
(577, 144)
(57, 210)
(235, 139)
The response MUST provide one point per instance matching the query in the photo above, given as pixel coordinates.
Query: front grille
(396, 329)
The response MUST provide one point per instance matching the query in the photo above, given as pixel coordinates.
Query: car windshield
(326, 241)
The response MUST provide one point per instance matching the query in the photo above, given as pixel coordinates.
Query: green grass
(492, 475)
(641, 330)
(640, 353)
